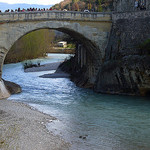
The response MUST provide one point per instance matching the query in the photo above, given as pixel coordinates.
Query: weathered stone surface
(126, 36)
(126, 68)
(4, 93)
(15, 25)
(129, 5)
(13, 88)
(129, 75)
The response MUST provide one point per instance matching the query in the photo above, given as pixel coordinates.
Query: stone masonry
(90, 29)
(126, 68)
(130, 5)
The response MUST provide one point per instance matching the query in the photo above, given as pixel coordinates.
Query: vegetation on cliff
(145, 46)
(80, 5)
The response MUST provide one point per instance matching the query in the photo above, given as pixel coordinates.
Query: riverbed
(88, 120)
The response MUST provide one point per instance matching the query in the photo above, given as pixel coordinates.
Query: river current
(88, 120)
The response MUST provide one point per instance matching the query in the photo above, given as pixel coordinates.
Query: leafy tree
(75, 1)
(32, 45)
(89, 6)
(99, 5)
(95, 5)
(75, 6)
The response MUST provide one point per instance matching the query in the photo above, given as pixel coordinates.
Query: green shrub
(145, 45)
(30, 64)
(71, 46)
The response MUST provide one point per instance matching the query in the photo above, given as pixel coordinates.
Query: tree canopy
(80, 5)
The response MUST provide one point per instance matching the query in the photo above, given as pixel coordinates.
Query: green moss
(145, 45)
(119, 42)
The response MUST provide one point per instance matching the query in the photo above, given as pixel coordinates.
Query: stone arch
(83, 34)
(16, 30)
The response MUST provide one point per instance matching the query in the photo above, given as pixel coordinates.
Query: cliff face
(126, 68)
(129, 75)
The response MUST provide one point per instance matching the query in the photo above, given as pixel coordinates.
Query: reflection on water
(88, 120)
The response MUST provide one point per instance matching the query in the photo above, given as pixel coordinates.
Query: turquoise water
(89, 121)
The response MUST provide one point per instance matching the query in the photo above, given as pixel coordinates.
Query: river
(88, 120)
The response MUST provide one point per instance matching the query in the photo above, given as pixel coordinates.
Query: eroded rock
(13, 88)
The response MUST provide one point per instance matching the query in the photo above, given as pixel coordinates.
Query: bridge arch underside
(88, 53)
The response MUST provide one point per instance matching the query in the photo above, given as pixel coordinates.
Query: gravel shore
(45, 67)
(24, 128)
(48, 67)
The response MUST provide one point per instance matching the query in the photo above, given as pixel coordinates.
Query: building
(62, 44)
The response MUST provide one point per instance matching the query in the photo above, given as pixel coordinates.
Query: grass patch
(71, 46)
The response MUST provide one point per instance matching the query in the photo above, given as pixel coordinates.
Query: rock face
(129, 76)
(126, 68)
(77, 73)
(4, 93)
(126, 65)
(13, 88)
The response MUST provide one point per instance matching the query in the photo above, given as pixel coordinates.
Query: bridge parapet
(54, 15)
(130, 15)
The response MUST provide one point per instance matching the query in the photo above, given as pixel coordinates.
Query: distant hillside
(5, 6)
(80, 5)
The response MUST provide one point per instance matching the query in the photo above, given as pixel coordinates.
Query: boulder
(13, 88)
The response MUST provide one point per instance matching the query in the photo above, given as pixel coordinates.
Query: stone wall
(130, 15)
(129, 5)
(126, 68)
(54, 15)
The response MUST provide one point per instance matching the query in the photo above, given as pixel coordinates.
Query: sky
(39, 2)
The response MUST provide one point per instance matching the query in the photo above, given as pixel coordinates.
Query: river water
(89, 121)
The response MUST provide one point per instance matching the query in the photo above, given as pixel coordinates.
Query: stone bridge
(91, 30)
(101, 38)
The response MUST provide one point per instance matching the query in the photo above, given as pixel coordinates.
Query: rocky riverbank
(13, 88)
(7, 88)
(48, 67)
(45, 67)
(23, 128)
